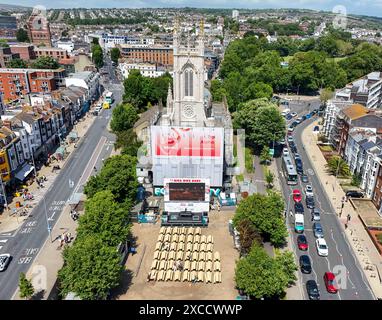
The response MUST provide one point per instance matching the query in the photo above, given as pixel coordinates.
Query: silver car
(5, 259)
(316, 216)
(317, 230)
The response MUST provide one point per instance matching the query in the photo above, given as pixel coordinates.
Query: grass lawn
(249, 160)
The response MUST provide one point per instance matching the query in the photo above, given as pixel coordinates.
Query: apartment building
(6, 56)
(55, 53)
(366, 91)
(146, 69)
(89, 80)
(377, 195)
(333, 108)
(17, 83)
(151, 54)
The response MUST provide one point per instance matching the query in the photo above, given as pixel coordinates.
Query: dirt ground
(135, 286)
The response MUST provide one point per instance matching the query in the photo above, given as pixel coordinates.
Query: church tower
(188, 83)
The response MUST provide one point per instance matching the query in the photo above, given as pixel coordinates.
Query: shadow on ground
(126, 279)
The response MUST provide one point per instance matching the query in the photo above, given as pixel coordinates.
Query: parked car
(290, 130)
(316, 216)
(330, 282)
(354, 194)
(317, 230)
(294, 124)
(309, 190)
(297, 197)
(309, 201)
(299, 120)
(293, 114)
(290, 139)
(288, 116)
(322, 247)
(297, 156)
(5, 259)
(298, 207)
(293, 148)
(299, 167)
(305, 265)
(303, 118)
(304, 178)
(312, 290)
(285, 152)
(281, 142)
(302, 242)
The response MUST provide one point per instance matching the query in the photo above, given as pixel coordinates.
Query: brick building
(38, 30)
(16, 83)
(152, 54)
(24, 50)
(6, 55)
(55, 53)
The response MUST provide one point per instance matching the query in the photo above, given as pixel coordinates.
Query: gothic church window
(188, 83)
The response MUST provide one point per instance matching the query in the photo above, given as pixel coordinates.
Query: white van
(97, 109)
(285, 112)
(299, 222)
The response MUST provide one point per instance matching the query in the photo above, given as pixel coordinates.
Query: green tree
(269, 177)
(22, 35)
(326, 94)
(25, 287)
(45, 63)
(356, 179)
(4, 43)
(123, 117)
(338, 166)
(285, 262)
(104, 218)
(97, 53)
(260, 276)
(128, 141)
(91, 268)
(265, 156)
(115, 54)
(258, 90)
(17, 63)
(248, 234)
(262, 121)
(118, 175)
(265, 212)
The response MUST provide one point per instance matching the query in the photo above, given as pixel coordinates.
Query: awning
(24, 172)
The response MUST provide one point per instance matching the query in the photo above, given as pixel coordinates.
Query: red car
(302, 242)
(297, 195)
(330, 282)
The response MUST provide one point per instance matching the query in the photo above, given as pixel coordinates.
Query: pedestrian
(291, 213)
(348, 217)
(346, 226)
(95, 169)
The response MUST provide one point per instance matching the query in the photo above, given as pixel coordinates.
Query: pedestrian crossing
(3, 241)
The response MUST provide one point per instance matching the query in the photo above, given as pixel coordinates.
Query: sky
(366, 7)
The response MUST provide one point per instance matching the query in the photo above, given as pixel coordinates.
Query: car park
(304, 178)
(330, 282)
(293, 114)
(302, 242)
(309, 202)
(297, 197)
(312, 290)
(317, 230)
(354, 194)
(5, 259)
(305, 264)
(309, 190)
(322, 247)
(298, 207)
(316, 215)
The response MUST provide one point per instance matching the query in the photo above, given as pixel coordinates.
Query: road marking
(24, 260)
(52, 216)
(31, 223)
(26, 230)
(1, 247)
(3, 240)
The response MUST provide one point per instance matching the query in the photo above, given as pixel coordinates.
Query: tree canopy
(97, 53)
(17, 63)
(262, 121)
(45, 62)
(118, 176)
(91, 268)
(105, 218)
(22, 35)
(123, 118)
(25, 287)
(115, 54)
(265, 212)
(261, 276)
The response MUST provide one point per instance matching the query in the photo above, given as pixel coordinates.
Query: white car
(285, 152)
(293, 114)
(322, 247)
(4, 261)
(309, 190)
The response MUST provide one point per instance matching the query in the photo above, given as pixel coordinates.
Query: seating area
(184, 254)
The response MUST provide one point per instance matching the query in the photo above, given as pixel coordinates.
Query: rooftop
(355, 111)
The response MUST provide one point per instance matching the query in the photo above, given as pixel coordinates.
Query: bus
(109, 97)
(289, 170)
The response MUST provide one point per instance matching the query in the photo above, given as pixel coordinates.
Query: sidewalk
(293, 292)
(357, 236)
(10, 219)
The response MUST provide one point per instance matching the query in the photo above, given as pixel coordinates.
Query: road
(25, 242)
(341, 255)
